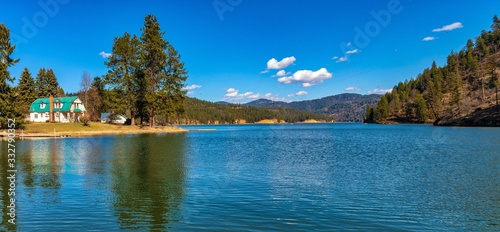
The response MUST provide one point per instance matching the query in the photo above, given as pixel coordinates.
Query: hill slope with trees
(204, 112)
(462, 92)
(347, 107)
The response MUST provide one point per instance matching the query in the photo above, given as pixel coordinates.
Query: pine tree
(381, 110)
(125, 71)
(154, 60)
(27, 90)
(369, 114)
(496, 23)
(420, 108)
(53, 85)
(163, 71)
(46, 84)
(10, 109)
(41, 85)
(174, 83)
(395, 104)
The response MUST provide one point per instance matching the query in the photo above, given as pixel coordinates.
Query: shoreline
(59, 131)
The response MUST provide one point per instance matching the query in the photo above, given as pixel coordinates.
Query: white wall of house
(39, 117)
(77, 104)
(59, 116)
(43, 117)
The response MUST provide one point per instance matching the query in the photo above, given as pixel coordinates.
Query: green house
(65, 109)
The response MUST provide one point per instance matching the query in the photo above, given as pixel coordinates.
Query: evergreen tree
(482, 48)
(124, 72)
(26, 90)
(395, 104)
(381, 110)
(369, 114)
(52, 84)
(420, 108)
(154, 61)
(10, 109)
(46, 84)
(496, 23)
(164, 72)
(41, 84)
(174, 83)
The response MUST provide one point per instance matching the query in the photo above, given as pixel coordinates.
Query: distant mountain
(223, 102)
(267, 103)
(205, 112)
(347, 107)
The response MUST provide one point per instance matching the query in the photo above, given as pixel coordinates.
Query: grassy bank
(77, 130)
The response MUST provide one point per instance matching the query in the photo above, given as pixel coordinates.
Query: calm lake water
(324, 177)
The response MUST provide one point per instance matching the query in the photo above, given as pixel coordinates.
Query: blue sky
(242, 50)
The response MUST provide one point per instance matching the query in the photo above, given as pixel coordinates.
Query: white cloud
(449, 27)
(250, 95)
(104, 54)
(285, 62)
(342, 59)
(335, 58)
(354, 89)
(191, 87)
(307, 77)
(231, 92)
(429, 38)
(379, 91)
(354, 51)
(300, 93)
(273, 97)
(281, 73)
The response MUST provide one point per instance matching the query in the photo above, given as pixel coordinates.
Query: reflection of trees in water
(148, 177)
(40, 163)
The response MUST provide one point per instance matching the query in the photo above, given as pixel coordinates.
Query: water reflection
(148, 178)
(100, 183)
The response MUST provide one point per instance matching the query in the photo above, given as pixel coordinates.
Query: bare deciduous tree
(86, 83)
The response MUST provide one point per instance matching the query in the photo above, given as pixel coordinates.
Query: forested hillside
(204, 112)
(345, 107)
(462, 92)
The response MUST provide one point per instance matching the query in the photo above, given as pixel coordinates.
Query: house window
(46, 115)
(36, 115)
(77, 105)
(57, 105)
(42, 105)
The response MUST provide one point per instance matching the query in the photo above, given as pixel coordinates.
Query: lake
(299, 177)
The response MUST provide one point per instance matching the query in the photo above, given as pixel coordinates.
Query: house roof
(66, 104)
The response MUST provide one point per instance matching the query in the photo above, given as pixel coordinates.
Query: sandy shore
(58, 130)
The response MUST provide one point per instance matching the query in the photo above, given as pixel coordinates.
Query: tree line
(468, 80)
(204, 112)
(145, 80)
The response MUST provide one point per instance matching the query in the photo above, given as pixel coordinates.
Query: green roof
(66, 104)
